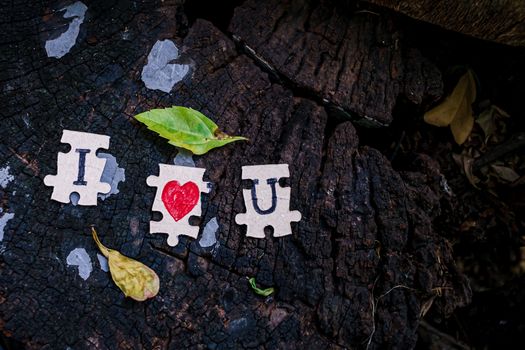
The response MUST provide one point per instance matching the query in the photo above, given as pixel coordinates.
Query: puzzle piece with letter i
(267, 203)
(79, 170)
(178, 198)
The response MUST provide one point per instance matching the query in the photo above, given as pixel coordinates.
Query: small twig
(30, 164)
(439, 289)
(395, 287)
(513, 144)
(397, 146)
(369, 341)
(374, 303)
(367, 11)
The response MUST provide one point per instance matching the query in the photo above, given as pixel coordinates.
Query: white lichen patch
(209, 233)
(79, 257)
(103, 262)
(159, 73)
(112, 174)
(58, 47)
(184, 158)
(5, 176)
(4, 218)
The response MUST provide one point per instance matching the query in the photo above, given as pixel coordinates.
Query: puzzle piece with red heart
(178, 198)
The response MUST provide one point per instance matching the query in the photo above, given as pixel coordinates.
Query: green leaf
(186, 128)
(263, 292)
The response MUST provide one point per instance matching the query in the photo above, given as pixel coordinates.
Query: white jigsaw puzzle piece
(267, 203)
(168, 224)
(79, 170)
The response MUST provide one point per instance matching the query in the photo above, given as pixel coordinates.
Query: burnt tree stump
(361, 267)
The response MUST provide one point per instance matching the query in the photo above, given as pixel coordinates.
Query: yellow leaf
(135, 279)
(456, 110)
(462, 125)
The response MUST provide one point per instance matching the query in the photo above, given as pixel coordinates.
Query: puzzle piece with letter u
(267, 203)
(178, 198)
(79, 170)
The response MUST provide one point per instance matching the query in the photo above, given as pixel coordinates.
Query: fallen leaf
(456, 110)
(466, 163)
(486, 121)
(490, 122)
(135, 279)
(263, 292)
(425, 306)
(500, 111)
(186, 128)
(462, 125)
(504, 173)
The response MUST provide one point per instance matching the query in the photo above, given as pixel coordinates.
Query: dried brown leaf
(466, 164)
(426, 305)
(504, 173)
(488, 121)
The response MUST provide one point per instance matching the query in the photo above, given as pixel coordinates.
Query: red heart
(180, 200)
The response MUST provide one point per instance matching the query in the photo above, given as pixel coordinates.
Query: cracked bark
(365, 229)
(500, 21)
(361, 70)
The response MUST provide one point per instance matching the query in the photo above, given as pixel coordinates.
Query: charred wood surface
(363, 263)
(354, 61)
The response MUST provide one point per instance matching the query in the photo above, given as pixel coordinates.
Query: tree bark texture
(354, 62)
(363, 263)
(502, 21)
